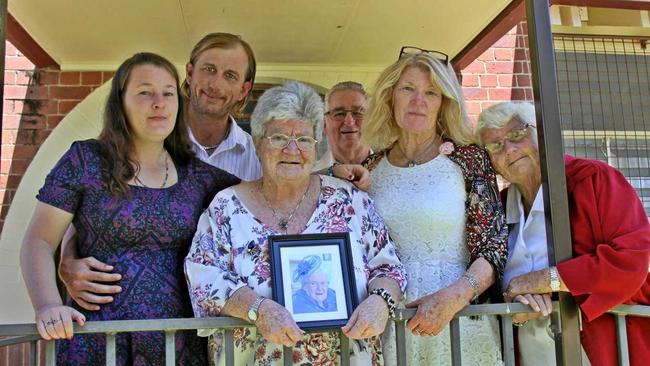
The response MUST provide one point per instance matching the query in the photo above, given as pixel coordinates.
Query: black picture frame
(288, 255)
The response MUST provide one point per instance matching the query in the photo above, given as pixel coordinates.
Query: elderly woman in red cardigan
(610, 235)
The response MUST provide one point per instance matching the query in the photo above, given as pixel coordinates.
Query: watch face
(252, 315)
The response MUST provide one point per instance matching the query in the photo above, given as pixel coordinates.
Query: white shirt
(527, 250)
(236, 154)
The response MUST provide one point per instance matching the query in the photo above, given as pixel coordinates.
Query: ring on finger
(52, 322)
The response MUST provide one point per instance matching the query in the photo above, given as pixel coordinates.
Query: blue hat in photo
(306, 267)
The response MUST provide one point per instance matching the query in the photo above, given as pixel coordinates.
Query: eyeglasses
(280, 141)
(515, 135)
(339, 114)
(411, 50)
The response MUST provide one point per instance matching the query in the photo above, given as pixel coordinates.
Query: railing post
(229, 346)
(621, 341)
(33, 361)
(170, 347)
(454, 337)
(558, 229)
(507, 342)
(345, 350)
(110, 349)
(400, 338)
(50, 353)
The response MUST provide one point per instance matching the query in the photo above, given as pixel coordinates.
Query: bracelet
(472, 282)
(390, 302)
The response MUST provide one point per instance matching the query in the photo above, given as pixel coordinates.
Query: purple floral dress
(145, 237)
(230, 250)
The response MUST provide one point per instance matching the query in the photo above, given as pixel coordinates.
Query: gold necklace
(413, 162)
(164, 183)
(283, 222)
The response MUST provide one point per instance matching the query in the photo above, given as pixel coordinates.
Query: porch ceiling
(99, 34)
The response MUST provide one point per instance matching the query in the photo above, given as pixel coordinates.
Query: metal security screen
(604, 91)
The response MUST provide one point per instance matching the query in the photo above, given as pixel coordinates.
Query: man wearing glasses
(346, 105)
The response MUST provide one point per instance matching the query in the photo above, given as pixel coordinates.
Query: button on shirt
(236, 154)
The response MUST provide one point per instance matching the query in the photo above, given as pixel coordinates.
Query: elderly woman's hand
(435, 311)
(541, 303)
(368, 319)
(276, 324)
(537, 282)
(355, 173)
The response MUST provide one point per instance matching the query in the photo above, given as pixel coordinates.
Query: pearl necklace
(283, 222)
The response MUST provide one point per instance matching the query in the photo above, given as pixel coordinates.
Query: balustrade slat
(400, 341)
(110, 349)
(170, 348)
(229, 346)
(33, 361)
(454, 335)
(345, 350)
(50, 354)
(507, 341)
(287, 355)
(621, 340)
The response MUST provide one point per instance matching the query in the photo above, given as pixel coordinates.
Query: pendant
(411, 164)
(283, 224)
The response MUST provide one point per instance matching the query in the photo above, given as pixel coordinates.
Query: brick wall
(35, 101)
(501, 73)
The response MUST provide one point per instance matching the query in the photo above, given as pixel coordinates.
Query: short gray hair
(344, 85)
(291, 101)
(500, 114)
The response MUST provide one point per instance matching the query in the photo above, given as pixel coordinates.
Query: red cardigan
(611, 257)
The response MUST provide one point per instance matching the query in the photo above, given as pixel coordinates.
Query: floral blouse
(486, 229)
(230, 250)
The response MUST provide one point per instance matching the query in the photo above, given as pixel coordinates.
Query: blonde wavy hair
(380, 130)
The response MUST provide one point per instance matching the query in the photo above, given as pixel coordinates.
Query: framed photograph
(313, 277)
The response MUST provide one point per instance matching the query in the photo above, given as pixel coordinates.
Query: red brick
(37, 92)
(19, 151)
(49, 107)
(33, 121)
(8, 106)
(476, 67)
(18, 63)
(505, 80)
(488, 55)
(66, 106)
(107, 75)
(70, 78)
(25, 137)
(506, 41)
(53, 121)
(10, 49)
(499, 94)
(91, 78)
(503, 54)
(5, 167)
(11, 121)
(488, 81)
(523, 80)
(9, 137)
(520, 67)
(10, 77)
(473, 107)
(529, 94)
(41, 136)
(48, 77)
(470, 80)
(13, 181)
(15, 92)
(499, 67)
(518, 94)
(487, 104)
(23, 77)
(19, 166)
(474, 93)
(69, 92)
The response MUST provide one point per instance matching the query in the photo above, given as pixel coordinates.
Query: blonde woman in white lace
(438, 196)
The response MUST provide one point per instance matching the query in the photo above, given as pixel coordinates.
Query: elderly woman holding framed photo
(610, 238)
(228, 267)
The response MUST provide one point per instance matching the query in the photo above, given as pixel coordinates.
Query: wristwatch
(555, 279)
(253, 312)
